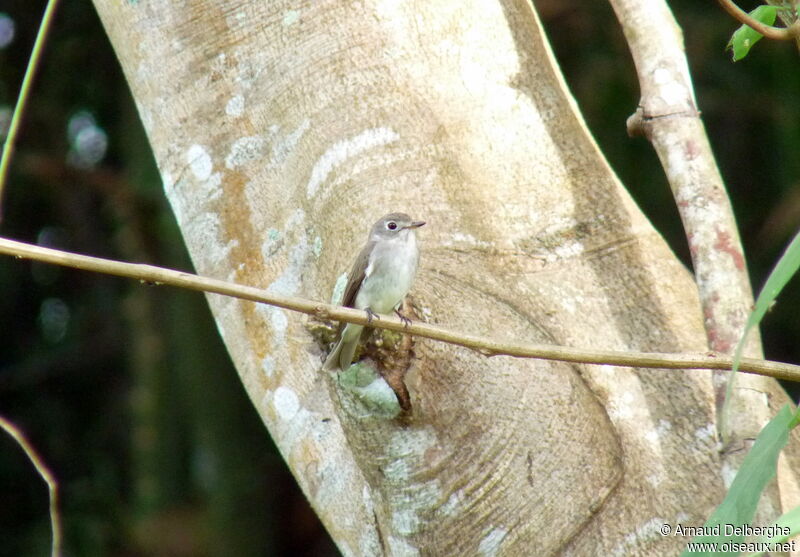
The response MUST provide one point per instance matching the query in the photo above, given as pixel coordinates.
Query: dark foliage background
(127, 390)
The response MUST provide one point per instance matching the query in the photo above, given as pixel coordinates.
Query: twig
(24, 93)
(777, 33)
(487, 346)
(47, 476)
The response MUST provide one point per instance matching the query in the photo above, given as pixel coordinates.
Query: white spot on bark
(620, 407)
(405, 521)
(453, 504)
(706, 434)
(655, 435)
(405, 451)
(655, 480)
(317, 248)
(199, 162)
(366, 496)
(728, 474)
(670, 89)
(490, 544)
(276, 320)
(268, 366)
(286, 403)
(206, 228)
(569, 249)
(297, 218)
(398, 547)
(368, 544)
(398, 471)
(340, 151)
(235, 106)
(678, 166)
(271, 244)
(279, 323)
(662, 76)
(462, 238)
(291, 17)
(246, 73)
(244, 150)
(288, 282)
(338, 289)
(406, 446)
(283, 146)
(333, 483)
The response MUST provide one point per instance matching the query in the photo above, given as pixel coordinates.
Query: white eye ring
(391, 225)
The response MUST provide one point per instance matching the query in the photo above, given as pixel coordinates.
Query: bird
(381, 276)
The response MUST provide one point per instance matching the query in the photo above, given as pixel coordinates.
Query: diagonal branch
(47, 476)
(667, 115)
(24, 94)
(486, 346)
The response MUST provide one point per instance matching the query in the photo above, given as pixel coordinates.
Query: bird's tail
(332, 361)
(342, 355)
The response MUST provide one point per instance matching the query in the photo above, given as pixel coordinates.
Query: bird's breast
(389, 275)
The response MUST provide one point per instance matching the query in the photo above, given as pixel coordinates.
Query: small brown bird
(381, 277)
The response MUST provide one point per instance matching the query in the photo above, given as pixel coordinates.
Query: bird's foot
(406, 321)
(371, 315)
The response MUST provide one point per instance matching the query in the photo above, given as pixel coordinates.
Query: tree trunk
(282, 132)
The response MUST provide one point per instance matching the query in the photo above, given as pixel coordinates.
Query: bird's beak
(416, 224)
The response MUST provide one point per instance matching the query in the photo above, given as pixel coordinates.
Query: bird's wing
(357, 275)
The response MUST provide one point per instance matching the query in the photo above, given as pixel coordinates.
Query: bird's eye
(391, 225)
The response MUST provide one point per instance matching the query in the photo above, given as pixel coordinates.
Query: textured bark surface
(282, 131)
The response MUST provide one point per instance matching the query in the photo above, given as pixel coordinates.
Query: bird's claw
(371, 315)
(406, 321)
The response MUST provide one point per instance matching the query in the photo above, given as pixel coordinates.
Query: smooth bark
(282, 131)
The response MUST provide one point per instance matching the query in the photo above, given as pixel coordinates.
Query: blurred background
(127, 391)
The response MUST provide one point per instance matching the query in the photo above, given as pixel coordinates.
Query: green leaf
(784, 270)
(788, 525)
(757, 470)
(745, 37)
